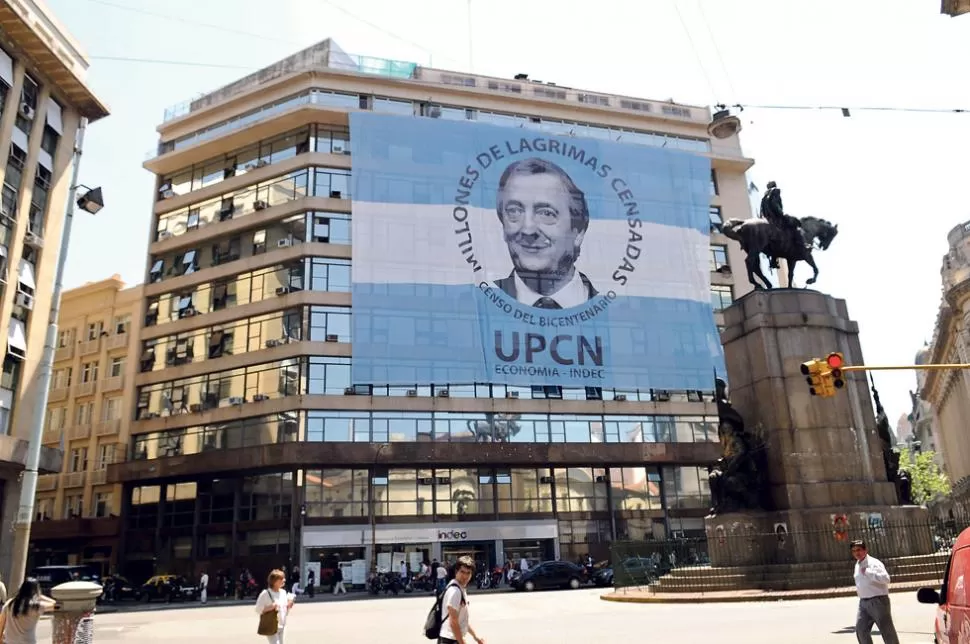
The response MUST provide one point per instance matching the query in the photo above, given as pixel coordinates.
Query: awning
(17, 336)
(44, 159)
(19, 137)
(6, 68)
(54, 116)
(27, 275)
(3, 252)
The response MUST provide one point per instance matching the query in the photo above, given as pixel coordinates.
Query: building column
(121, 552)
(196, 518)
(295, 537)
(236, 502)
(609, 504)
(663, 503)
(161, 556)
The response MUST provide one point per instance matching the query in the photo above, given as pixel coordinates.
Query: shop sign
(452, 535)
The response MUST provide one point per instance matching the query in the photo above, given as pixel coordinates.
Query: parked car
(50, 576)
(953, 608)
(117, 588)
(551, 574)
(603, 577)
(168, 587)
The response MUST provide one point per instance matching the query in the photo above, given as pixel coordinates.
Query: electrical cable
(187, 63)
(697, 55)
(717, 50)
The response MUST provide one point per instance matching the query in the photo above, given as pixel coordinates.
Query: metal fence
(735, 559)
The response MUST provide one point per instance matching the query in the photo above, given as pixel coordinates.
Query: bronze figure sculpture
(779, 236)
(737, 480)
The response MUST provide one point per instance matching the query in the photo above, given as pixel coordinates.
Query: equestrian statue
(779, 236)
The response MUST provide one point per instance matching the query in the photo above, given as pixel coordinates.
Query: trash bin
(74, 616)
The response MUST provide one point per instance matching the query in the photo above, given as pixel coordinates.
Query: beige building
(76, 514)
(948, 391)
(250, 444)
(43, 102)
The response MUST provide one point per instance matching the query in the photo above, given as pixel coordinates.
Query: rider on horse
(773, 211)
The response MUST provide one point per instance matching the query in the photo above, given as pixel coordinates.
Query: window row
(60, 417)
(120, 325)
(449, 492)
(348, 101)
(310, 273)
(311, 138)
(73, 507)
(315, 323)
(383, 427)
(316, 227)
(64, 377)
(332, 183)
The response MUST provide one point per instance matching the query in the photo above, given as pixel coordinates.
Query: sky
(895, 182)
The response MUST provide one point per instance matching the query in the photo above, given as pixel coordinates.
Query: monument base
(815, 535)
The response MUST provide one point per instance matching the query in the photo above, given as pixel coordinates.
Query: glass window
(330, 323)
(719, 258)
(335, 493)
(328, 375)
(721, 296)
(713, 185)
(635, 488)
(329, 275)
(393, 106)
(717, 219)
(334, 184)
(336, 426)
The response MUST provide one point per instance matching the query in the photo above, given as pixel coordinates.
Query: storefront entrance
(481, 552)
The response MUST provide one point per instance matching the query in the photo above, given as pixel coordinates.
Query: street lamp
(373, 507)
(90, 201)
(724, 124)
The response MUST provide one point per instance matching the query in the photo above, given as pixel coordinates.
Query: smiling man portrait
(544, 219)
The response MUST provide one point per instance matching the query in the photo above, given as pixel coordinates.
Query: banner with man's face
(489, 254)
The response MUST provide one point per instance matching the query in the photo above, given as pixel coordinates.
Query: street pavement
(551, 617)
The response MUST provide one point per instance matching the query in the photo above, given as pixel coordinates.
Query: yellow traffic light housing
(816, 375)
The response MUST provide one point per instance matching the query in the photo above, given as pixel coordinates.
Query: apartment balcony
(117, 341)
(52, 436)
(108, 427)
(74, 479)
(86, 388)
(79, 432)
(47, 482)
(57, 394)
(114, 383)
(88, 347)
(64, 353)
(99, 477)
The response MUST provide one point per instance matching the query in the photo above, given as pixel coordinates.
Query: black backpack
(432, 623)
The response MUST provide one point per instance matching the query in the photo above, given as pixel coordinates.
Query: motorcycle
(483, 580)
(383, 582)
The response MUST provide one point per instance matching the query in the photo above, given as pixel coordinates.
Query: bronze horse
(759, 237)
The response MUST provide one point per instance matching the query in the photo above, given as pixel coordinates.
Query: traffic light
(815, 372)
(835, 361)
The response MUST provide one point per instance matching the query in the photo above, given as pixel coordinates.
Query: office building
(44, 102)
(76, 514)
(252, 446)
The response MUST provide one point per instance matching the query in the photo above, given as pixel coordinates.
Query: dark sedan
(551, 574)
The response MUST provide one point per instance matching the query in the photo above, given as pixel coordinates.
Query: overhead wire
(693, 46)
(717, 49)
(187, 63)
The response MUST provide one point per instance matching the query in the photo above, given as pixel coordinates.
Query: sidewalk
(638, 595)
(318, 598)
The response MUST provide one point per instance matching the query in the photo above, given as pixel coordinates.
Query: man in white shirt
(204, 587)
(442, 576)
(872, 585)
(524, 565)
(454, 607)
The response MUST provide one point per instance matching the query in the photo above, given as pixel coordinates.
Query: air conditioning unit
(286, 242)
(236, 400)
(443, 393)
(152, 415)
(336, 194)
(273, 343)
(511, 394)
(620, 397)
(27, 111)
(260, 397)
(259, 204)
(262, 163)
(349, 391)
(434, 112)
(412, 393)
(283, 290)
(24, 300)
(162, 236)
(32, 239)
(331, 337)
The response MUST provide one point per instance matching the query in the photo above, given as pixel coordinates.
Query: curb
(742, 596)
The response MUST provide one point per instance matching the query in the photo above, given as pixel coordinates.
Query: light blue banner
(504, 255)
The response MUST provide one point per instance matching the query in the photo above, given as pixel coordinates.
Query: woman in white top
(275, 598)
(19, 617)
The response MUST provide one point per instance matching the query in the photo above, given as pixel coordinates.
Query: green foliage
(928, 481)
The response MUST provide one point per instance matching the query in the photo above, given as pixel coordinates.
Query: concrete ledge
(734, 596)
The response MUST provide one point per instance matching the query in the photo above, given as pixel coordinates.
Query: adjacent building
(44, 103)
(954, 8)
(948, 391)
(88, 416)
(250, 445)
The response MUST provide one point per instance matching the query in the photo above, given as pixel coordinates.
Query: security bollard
(73, 621)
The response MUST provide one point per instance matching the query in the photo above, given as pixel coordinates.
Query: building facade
(922, 418)
(948, 391)
(250, 445)
(43, 102)
(77, 512)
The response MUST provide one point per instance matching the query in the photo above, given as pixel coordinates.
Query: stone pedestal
(825, 459)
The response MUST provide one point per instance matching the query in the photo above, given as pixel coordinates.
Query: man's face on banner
(537, 225)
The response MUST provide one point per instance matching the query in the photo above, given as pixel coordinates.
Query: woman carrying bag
(19, 617)
(272, 606)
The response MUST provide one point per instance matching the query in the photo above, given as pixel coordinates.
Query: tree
(928, 481)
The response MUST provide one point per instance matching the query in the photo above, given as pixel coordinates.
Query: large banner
(489, 254)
